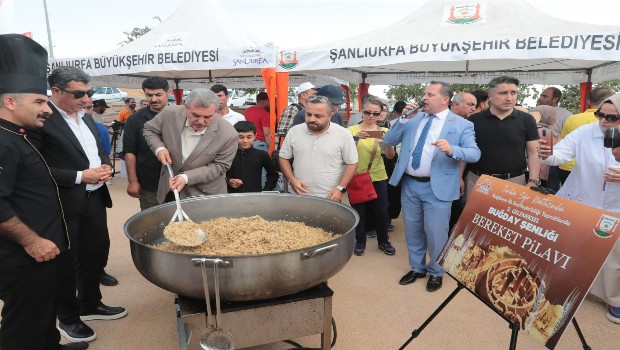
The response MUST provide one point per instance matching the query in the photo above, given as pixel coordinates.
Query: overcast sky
(90, 27)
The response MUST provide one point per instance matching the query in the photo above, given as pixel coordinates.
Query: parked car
(251, 100)
(108, 93)
(236, 98)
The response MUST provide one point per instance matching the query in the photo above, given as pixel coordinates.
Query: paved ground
(372, 311)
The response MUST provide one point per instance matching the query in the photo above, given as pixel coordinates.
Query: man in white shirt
(228, 114)
(594, 181)
(71, 146)
(324, 153)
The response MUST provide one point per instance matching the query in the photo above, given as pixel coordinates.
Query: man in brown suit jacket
(200, 145)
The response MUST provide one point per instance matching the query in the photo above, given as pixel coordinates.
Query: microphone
(420, 105)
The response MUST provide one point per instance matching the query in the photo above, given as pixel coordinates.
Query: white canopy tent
(468, 42)
(196, 43)
(196, 47)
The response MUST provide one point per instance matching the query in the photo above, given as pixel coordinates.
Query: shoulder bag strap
(375, 146)
(373, 154)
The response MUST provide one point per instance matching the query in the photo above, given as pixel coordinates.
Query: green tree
(614, 85)
(409, 92)
(571, 94)
(353, 90)
(137, 32)
(405, 92)
(571, 98)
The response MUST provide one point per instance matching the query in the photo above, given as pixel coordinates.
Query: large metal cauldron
(247, 277)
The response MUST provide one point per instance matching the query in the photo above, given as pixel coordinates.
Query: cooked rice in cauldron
(250, 235)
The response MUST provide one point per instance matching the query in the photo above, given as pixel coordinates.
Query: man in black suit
(71, 146)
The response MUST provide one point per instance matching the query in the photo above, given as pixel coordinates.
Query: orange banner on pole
(277, 89)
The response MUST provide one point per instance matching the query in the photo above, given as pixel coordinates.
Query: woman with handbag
(370, 197)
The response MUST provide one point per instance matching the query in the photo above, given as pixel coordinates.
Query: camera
(116, 125)
(612, 138)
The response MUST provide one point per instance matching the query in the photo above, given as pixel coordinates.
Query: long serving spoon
(179, 216)
(215, 339)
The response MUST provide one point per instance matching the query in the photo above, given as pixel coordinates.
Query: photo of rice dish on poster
(525, 254)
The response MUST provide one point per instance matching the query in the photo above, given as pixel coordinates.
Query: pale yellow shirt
(189, 140)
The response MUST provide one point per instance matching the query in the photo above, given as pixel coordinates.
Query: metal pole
(49, 32)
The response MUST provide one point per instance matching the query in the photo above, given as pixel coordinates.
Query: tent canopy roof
(470, 42)
(195, 42)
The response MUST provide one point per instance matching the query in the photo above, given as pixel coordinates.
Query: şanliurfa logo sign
(465, 13)
(288, 59)
(606, 226)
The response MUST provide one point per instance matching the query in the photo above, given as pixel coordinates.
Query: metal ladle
(180, 215)
(214, 339)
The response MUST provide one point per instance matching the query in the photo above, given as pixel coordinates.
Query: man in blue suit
(433, 143)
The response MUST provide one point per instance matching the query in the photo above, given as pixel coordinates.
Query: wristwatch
(342, 189)
(536, 182)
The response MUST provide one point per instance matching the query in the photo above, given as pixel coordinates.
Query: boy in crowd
(244, 174)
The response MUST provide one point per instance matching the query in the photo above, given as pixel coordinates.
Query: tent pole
(585, 89)
(178, 93)
(362, 91)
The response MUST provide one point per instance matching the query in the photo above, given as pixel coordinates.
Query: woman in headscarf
(547, 118)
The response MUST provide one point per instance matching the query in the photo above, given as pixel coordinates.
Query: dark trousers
(393, 195)
(554, 182)
(394, 206)
(563, 175)
(80, 270)
(377, 208)
(29, 311)
(455, 212)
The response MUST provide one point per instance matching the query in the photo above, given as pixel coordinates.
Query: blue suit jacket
(458, 131)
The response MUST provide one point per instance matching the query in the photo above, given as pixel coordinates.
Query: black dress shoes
(73, 346)
(434, 283)
(107, 280)
(410, 277)
(76, 332)
(103, 312)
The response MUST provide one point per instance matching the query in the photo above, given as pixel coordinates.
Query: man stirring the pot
(323, 153)
(198, 144)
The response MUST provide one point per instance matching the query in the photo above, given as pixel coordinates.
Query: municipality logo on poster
(484, 186)
(288, 59)
(606, 226)
(464, 13)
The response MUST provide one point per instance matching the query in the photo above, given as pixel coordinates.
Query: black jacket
(248, 166)
(28, 192)
(64, 155)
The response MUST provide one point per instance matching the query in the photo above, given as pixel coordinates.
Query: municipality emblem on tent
(463, 14)
(606, 226)
(288, 59)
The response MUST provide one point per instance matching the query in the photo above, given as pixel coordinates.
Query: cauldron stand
(261, 321)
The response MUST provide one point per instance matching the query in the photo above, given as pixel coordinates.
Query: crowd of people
(423, 160)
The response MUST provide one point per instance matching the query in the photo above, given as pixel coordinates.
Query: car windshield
(99, 90)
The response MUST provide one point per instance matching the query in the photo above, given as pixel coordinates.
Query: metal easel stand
(514, 328)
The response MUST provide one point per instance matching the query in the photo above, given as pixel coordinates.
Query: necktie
(419, 147)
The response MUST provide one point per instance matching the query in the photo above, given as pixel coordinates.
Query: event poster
(529, 255)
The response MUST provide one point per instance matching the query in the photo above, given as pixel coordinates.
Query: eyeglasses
(318, 98)
(612, 118)
(79, 93)
(369, 113)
